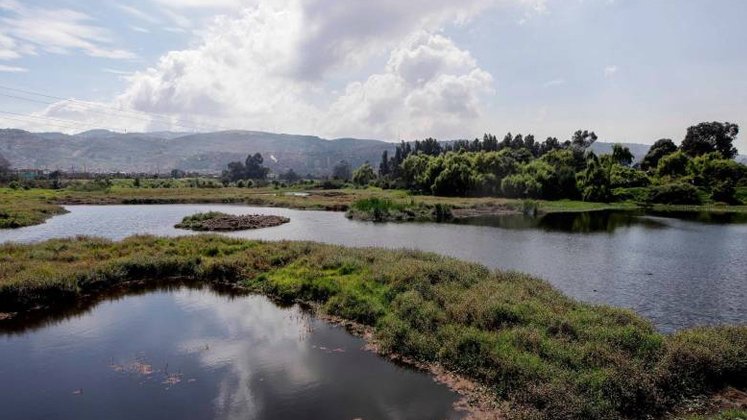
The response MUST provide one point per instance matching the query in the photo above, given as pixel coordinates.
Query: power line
(26, 121)
(72, 122)
(134, 114)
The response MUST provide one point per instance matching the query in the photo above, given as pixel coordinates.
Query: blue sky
(632, 70)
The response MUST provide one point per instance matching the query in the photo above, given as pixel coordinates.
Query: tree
(235, 171)
(364, 175)
(342, 171)
(254, 168)
(384, 165)
(290, 176)
(4, 165)
(673, 166)
(622, 155)
(178, 173)
(711, 137)
(659, 149)
(583, 139)
(595, 181)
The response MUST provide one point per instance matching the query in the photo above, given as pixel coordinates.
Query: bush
(521, 186)
(675, 193)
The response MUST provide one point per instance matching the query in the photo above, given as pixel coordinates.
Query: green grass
(18, 209)
(548, 355)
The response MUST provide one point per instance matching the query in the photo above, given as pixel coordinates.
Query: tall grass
(549, 355)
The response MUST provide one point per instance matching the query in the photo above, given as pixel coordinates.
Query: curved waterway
(677, 271)
(187, 353)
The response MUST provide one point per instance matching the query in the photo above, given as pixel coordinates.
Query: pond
(677, 271)
(182, 352)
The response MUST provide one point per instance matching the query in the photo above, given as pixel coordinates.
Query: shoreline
(508, 332)
(30, 207)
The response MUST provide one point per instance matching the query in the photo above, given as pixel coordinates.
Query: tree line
(518, 166)
(701, 168)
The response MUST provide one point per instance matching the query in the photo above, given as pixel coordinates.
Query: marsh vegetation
(548, 355)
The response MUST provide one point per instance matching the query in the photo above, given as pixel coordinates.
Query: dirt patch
(219, 222)
(706, 406)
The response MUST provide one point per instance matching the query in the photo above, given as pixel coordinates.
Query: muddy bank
(221, 222)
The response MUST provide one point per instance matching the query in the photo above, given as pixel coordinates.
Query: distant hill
(106, 151)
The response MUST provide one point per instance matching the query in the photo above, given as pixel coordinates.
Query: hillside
(106, 151)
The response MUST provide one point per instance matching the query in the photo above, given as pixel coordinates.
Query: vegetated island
(221, 222)
(534, 352)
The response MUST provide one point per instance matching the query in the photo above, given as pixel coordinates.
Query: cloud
(139, 29)
(554, 82)
(139, 14)
(429, 86)
(12, 69)
(610, 71)
(58, 31)
(280, 66)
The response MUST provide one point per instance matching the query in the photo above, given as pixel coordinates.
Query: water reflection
(181, 352)
(574, 222)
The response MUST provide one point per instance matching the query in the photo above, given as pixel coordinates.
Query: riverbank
(19, 208)
(543, 353)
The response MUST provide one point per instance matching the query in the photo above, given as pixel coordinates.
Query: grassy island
(221, 222)
(541, 353)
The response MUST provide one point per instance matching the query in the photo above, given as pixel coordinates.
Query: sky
(632, 70)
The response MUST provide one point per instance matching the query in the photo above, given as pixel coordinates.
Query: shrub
(675, 193)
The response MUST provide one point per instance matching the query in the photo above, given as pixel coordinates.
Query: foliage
(342, 171)
(364, 175)
(548, 355)
(520, 167)
(251, 169)
(673, 166)
(711, 137)
(675, 193)
(661, 148)
(622, 155)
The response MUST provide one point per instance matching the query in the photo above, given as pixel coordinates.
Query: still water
(182, 352)
(678, 272)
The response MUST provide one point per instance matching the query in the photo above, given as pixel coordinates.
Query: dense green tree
(595, 181)
(674, 193)
(521, 186)
(342, 171)
(659, 149)
(251, 169)
(235, 171)
(622, 155)
(710, 137)
(254, 168)
(364, 175)
(674, 165)
(627, 177)
(384, 165)
(583, 139)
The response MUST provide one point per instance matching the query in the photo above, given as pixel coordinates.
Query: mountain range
(107, 151)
